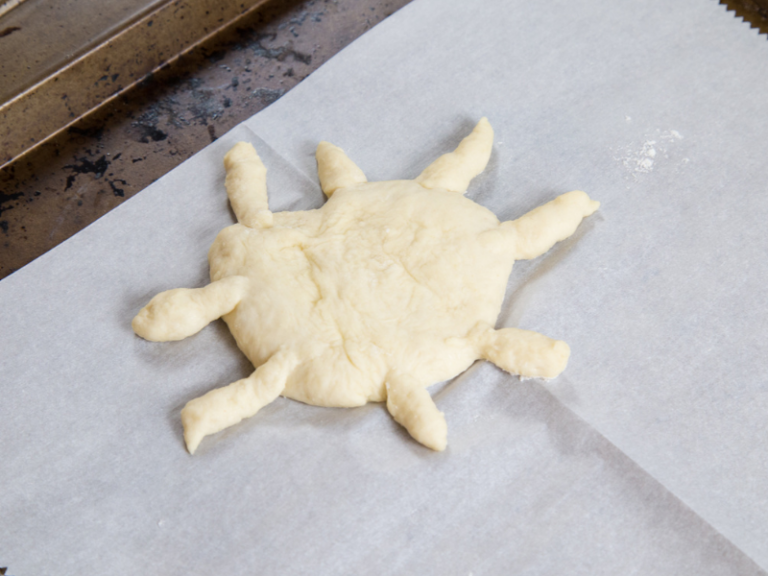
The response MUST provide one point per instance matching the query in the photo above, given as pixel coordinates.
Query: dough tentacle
(529, 354)
(182, 312)
(537, 231)
(224, 407)
(410, 404)
(246, 185)
(335, 170)
(453, 171)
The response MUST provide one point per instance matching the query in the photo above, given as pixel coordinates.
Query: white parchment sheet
(646, 456)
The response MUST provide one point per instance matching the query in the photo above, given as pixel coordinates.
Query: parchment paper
(646, 456)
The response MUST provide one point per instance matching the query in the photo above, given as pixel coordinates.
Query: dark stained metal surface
(76, 177)
(58, 89)
(41, 36)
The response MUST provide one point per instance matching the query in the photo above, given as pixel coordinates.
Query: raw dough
(388, 288)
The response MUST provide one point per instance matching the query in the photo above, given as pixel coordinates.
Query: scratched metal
(88, 76)
(45, 35)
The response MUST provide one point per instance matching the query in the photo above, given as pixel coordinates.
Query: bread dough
(388, 288)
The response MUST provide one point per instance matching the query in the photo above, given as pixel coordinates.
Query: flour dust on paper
(642, 158)
(386, 289)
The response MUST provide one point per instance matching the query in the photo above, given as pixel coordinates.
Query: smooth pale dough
(388, 288)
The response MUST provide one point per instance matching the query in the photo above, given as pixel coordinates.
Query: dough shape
(388, 288)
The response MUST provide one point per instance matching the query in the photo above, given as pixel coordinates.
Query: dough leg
(176, 314)
(522, 352)
(225, 407)
(454, 170)
(335, 170)
(412, 407)
(246, 185)
(537, 231)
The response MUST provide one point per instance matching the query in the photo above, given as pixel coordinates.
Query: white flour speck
(640, 160)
